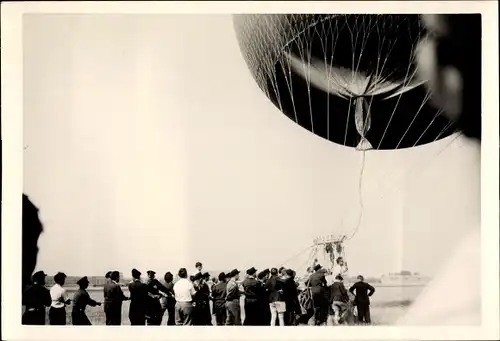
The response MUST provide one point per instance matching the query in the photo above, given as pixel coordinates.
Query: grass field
(388, 303)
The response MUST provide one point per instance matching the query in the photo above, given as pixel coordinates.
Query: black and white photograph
(243, 168)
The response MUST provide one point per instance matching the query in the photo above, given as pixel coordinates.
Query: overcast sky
(149, 145)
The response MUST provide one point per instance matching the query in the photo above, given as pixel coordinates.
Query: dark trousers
(137, 316)
(265, 313)
(364, 313)
(171, 311)
(113, 313)
(57, 316)
(233, 313)
(154, 314)
(252, 313)
(220, 313)
(183, 313)
(320, 314)
(34, 317)
(79, 318)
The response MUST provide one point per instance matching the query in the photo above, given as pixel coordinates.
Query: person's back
(274, 288)
(338, 292)
(138, 295)
(35, 298)
(219, 293)
(251, 287)
(362, 291)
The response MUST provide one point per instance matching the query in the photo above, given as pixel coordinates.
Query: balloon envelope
(350, 79)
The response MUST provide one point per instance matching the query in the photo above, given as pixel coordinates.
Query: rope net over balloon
(350, 79)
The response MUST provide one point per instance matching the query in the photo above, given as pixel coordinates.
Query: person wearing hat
(265, 309)
(219, 299)
(156, 290)
(113, 300)
(252, 289)
(362, 291)
(233, 308)
(317, 283)
(138, 299)
(200, 302)
(80, 301)
(57, 311)
(291, 297)
(35, 298)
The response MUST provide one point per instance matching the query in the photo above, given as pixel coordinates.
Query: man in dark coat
(265, 310)
(80, 301)
(317, 283)
(338, 299)
(205, 289)
(113, 300)
(252, 290)
(362, 291)
(219, 300)
(35, 298)
(138, 299)
(277, 303)
(156, 291)
(291, 297)
(200, 301)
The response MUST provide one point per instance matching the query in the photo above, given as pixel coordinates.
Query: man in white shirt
(59, 297)
(184, 292)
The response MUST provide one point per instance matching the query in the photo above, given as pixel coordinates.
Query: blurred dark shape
(32, 228)
(456, 44)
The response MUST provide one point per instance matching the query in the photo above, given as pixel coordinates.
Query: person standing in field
(219, 300)
(113, 300)
(233, 307)
(362, 291)
(205, 289)
(80, 301)
(291, 297)
(57, 311)
(252, 289)
(276, 301)
(338, 299)
(138, 299)
(169, 299)
(184, 292)
(156, 291)
(317, 283)
(265, 311)
(35, 298)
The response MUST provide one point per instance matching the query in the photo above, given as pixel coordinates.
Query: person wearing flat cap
(265, 309)
(35, 298)
(138, 299)
(154, 314)
(219, 300)
(252, 289)
(233, 300)
(201, 301)
(80, 301)
(57, 311)
(320, 293)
